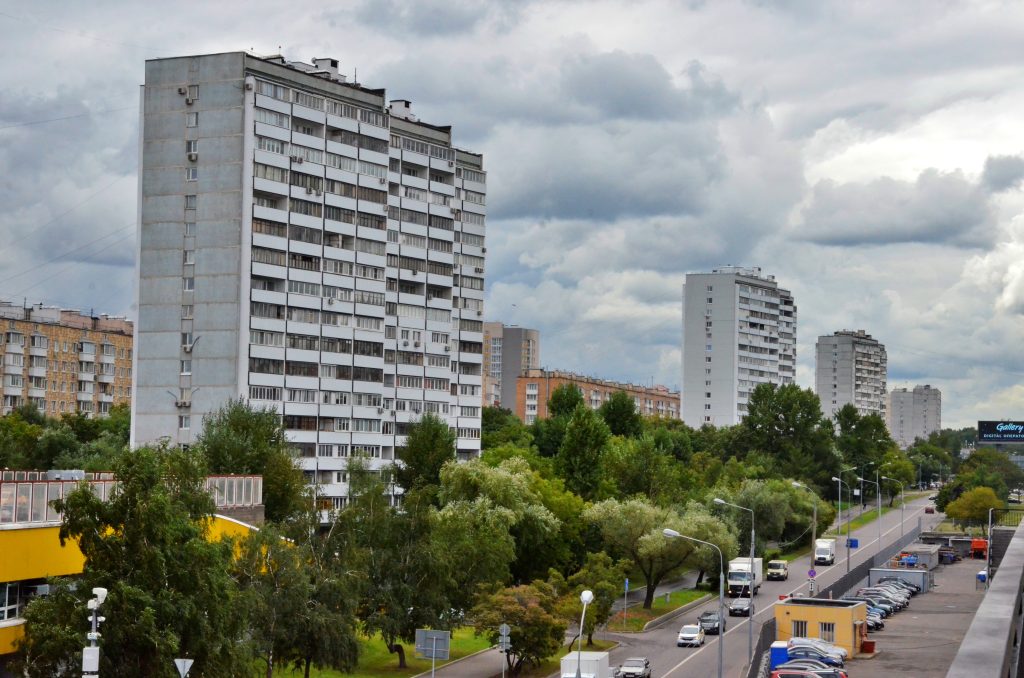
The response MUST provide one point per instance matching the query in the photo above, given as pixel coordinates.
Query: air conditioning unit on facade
(451, 163)
(183, 403)
(318, 192)
(380, 410)
(447, 349)
(479, 313)
(189, 101)
(383, 181)
(309, 190)
(405, 343)
(484, 250)
(187, 348)
(416, 344)
(183, 90)
(193, 157)
(294, 158)
(477, 269)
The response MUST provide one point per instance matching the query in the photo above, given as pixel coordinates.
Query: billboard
(1001, 431)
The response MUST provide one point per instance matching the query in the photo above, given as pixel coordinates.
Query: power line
(81, 34)
(61, 256)
(64, 117)
(67, 268)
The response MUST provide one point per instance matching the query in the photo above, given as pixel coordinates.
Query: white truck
(745, 576)
(825, 552)
(592, 665)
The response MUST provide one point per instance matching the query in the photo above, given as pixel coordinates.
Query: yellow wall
(9, 635)
(843, 618)
(35, 552)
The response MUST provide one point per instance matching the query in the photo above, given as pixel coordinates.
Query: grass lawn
(376, 661)
(863, 519)
(637, 616)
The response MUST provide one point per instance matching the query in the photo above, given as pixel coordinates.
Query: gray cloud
(436, 18)
(1003, 172)
(936, 208)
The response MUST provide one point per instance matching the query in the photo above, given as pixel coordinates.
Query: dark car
(711, 622)
(811, 653)
(740, 607)
(929, 509)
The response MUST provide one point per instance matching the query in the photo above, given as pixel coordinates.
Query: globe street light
(814, 521)
(672, 534)
(878, 493)
(586, 598)
(903, 504)
(750, 626)
(840, 484)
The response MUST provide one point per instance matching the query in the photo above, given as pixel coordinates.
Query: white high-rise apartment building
(913, 414)
(850, 368)
(509, 351)
(308, 247)
(739, 330)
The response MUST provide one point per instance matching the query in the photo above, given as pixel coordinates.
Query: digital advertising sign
(1001, 431)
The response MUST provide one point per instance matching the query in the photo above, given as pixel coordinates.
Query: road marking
(775, 602)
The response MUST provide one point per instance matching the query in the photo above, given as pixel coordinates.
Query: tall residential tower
(508, 352)
(739, 330)
(308, 247)
(850, 368)
(913, 414)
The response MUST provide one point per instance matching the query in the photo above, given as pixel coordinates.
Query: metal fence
(760, 666)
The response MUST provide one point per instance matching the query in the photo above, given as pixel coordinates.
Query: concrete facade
(508, 352)
(912, 414)
(851, 369)
(739, 330)
(62, 361)
(534, 388)
(309, 247)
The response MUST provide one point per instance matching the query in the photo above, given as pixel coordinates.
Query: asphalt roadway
(659, 645)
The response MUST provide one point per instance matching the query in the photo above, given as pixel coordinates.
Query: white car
(691, 635)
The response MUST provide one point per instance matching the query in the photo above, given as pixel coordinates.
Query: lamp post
(750, 626)
(849, 507)
(586, 598)
(672, 534)
(814, 520)
(848, 516)
(878, 493)
(91, 654)
(903, 504)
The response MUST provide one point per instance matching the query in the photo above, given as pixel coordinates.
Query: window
(190, 202)
(192, 146)
(191, 120)
(827, 631)
(186, 367)
(184, 421)
(186, 310)
(193, 92)
(188, 257)
(190, 228)
(188, 284)
(799, 629)
(191, 173)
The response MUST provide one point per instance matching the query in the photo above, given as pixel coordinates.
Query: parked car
(691, 635)
(784, 672)
(740, 607)
(634, 667)
(886, 608)
(815, 668)
(811, 653)
(822, 645)
(711, 622)
(912, 589)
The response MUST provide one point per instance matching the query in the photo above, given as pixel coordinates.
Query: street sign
(504, 644)
(504, 630)
(183, 666)
(432, 644)
(812, 574)
(627, 584)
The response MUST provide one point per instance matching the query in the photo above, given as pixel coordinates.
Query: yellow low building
(30, 549)
(841, 622)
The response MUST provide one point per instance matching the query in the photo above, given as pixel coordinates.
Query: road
(667, 660)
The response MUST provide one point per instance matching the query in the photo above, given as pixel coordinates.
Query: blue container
(779, 653)
(853, 543)
(982, 576)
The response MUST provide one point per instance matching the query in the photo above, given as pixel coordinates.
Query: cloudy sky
(868, 154)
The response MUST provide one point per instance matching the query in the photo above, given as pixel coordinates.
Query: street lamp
(672, 534)
(814, 521)
(849, 506)
(91, 654)
(586, 598)
(903, 504)
(840, 484)
(878, 494)
(750, 626)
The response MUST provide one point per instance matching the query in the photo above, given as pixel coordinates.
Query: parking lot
(923, 639)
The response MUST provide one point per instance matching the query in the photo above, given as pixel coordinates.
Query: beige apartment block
(62, 361)
(534, 389)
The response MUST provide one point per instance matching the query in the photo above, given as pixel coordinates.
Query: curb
(668, 616)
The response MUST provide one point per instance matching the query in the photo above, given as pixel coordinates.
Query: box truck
(745, 576)
(825, 552)
(592, 665)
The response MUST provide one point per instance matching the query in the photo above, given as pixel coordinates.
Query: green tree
(639, 467)
(531, 611)
(633, 530)
(170, 593)
(973, 506)
(18, 440)
(564, 400)
(238, 438)
(53, 444)
(475, 537)
(499, 427)
(579, 457)
(621, 415)
(430, 444)
(605, 578)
